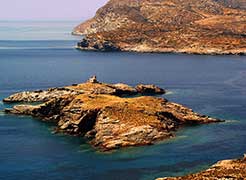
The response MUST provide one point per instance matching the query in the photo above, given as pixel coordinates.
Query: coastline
(212, 52)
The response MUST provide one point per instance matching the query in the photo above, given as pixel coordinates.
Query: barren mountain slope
(191, 26)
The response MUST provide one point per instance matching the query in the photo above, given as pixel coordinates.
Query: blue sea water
(38, 55)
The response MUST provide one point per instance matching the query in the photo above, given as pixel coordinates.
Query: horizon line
(48, 19)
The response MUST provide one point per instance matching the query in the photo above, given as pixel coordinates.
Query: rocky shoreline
(109, 116)
(223, 170)
(165, 50)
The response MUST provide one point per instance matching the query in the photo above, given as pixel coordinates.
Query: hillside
(190, 26)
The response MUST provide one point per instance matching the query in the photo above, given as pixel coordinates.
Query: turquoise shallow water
(36, 59)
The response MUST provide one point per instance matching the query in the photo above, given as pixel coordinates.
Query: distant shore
(141, 49)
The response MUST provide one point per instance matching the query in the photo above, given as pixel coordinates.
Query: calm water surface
(37, 55)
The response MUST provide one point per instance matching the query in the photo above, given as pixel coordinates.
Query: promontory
(109, 116)
(180, 26)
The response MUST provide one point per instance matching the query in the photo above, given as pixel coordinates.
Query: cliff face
(191, 26)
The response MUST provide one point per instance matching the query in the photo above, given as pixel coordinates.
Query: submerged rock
(223, 170)
(96, 111)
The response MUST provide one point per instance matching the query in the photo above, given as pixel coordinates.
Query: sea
(39, 54)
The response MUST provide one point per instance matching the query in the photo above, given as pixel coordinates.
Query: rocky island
(110, 116)
(179, 26)
(223, 170)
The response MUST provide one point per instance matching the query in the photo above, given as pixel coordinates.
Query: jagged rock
(191, 26)
(124, 89)
(48, 111)
(223, 170)
(83, 44)
(96, 44)
(108, 120)
(21, 109)
(149, 89)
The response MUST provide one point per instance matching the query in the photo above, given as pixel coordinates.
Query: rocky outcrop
(97, 45)
(192, 26)
(96, 111)
(226, 170)
(149, 89)
(92, 86)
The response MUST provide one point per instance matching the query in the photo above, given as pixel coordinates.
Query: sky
(48, 9)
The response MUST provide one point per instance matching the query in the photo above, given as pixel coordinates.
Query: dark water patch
(162, 171)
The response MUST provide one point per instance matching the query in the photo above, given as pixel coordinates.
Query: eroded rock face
(96, 111)
(192, 26)
(227, 169)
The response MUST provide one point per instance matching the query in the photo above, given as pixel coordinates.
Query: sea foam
(231, 121)
(2, 113)
(169, 92)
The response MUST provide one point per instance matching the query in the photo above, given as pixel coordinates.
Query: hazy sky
(48, 9)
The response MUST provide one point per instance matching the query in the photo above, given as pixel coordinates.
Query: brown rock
(149, 89)
(124, 89)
